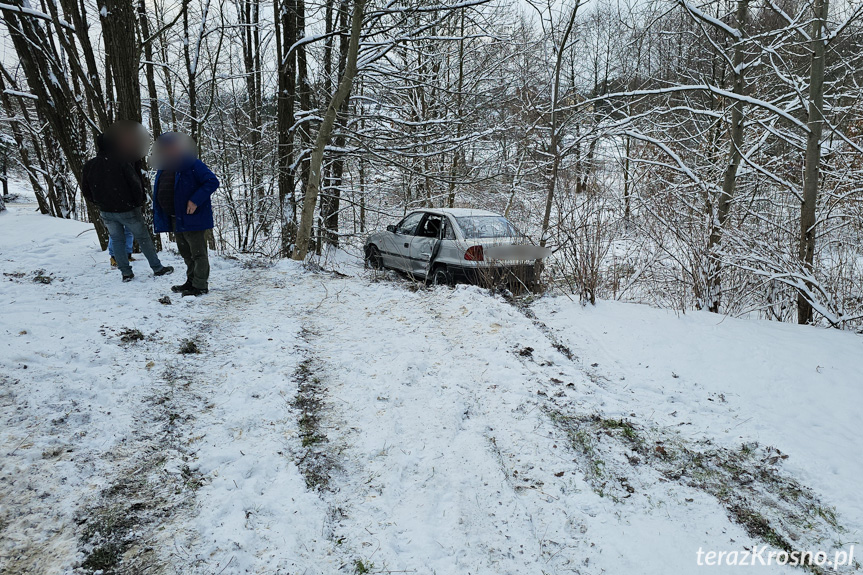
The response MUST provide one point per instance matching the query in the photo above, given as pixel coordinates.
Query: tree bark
(152, 95)
(191, 73)
(811, 173)
(304, 96)
(118, 23)
(331, 201)
(286, 35)
(249, 13)
(454, 168)
(722, 209)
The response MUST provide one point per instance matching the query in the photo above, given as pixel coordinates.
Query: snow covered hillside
(297, 420)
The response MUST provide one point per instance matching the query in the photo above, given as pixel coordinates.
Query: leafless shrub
(587, 230)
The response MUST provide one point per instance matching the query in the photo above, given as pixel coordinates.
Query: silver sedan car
(447, 245)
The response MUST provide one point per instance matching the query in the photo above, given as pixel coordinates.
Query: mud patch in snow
(749, 483)
(315, 458)
(155, 481)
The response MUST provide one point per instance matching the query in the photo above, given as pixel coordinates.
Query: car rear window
(487, 227)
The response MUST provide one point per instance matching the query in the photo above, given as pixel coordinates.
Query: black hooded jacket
(109, 182)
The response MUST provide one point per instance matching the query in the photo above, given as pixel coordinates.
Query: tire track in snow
(452, 462)
(88, 487)
(449, 465)
(746, 480)
(253, 512)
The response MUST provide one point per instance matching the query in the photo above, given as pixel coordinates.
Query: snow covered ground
(350, 423)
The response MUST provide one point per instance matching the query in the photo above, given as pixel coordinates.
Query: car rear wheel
(374, 259)
(440, 276)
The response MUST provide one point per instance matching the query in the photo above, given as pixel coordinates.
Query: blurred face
(129, 140)
(171, 152)
(171, 149)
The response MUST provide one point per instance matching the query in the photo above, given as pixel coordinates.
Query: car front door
(396, 253)
(425, 241)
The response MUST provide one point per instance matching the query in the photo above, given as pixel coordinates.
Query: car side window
(448, 232)
(408, 226)
(431, 227)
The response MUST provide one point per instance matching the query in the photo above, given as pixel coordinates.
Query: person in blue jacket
(181, 204)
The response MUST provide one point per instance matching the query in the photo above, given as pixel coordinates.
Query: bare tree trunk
(18, 136)
(362, 170)
(152, 95)
(42, 194)
(811, 173)
(118, 23)
(341, 94)
(627, 183)
(90, 78)
(191, 72)
(331, 201)
(304, 94)
(167, 76)
(286, 35)
(459, 87)
(722, 208)
(321, 234)
(4, 177)
(249, 12)
(55, 101)
(328, 45)
(554, 143)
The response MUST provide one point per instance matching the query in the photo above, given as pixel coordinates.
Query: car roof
(459, 212)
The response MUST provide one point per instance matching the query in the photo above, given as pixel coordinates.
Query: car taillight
(474, 254)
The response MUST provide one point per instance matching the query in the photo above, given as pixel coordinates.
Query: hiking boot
(131, 259)
(128, 278)
(164, 271)
(113, 262)
(193, 291)
(182, 288)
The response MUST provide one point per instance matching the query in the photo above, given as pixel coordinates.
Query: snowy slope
(339, 423)
(793, 387)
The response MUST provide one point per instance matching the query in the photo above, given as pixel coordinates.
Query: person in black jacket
(113, 182)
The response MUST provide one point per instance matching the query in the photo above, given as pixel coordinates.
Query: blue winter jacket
(194, 181)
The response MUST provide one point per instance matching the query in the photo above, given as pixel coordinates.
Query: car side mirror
(391, 228)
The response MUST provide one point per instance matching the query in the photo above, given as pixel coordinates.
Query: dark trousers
(193, 248)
